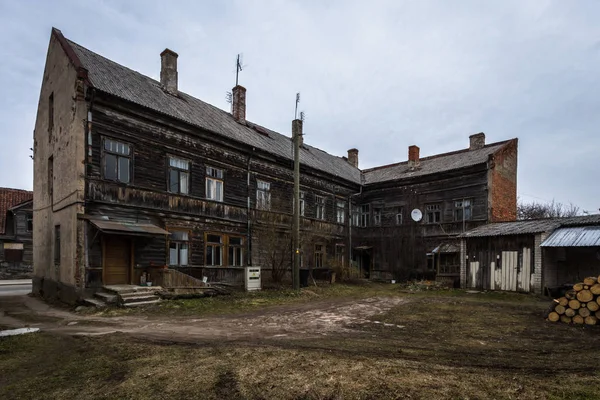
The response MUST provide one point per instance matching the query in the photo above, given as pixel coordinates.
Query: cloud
(378, 76)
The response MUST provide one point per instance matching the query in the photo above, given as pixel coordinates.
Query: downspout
(248, 221)
(351, 252)
(88, 135)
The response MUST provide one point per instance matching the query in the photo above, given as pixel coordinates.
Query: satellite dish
(416, 215)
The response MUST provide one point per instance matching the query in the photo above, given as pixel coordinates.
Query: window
(179, 248)
(302, 204)
(116, 161)
(57, 244)
(263, 195)
(51, 178)
(214, 249)
(29, 222)
(433, 213)
(340, 251)
(462, 210)
(50, 116)
(236, 251)
(320, 207)
(355, 216)
(399, 215)
(364, 215)
(377, 216)
(319, 255)
(179, 175)
(340, 212)
(214, 184)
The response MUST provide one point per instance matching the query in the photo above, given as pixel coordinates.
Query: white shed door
(510, 262)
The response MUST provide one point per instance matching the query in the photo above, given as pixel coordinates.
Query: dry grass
(453, 345)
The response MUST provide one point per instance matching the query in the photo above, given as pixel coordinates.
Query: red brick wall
(503, 182)
(10, 198)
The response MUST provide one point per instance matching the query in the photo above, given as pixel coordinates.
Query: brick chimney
(297, 130)
(168, 71)
(477, 141)
(353, 157)
(238, 104)
(413, 156)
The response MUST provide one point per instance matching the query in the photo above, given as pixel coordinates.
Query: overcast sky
(376, 75)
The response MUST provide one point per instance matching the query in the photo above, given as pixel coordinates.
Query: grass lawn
(453, 345)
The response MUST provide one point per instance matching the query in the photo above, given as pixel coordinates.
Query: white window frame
(365, 214)
(320, 207)
(121, 151)
(214, 184)
(400, 216)
(302, 204)
(181, 255)
(340, 216)
(465, 206)
(182, 168)
(235, 251)
(263, 195)
(377, 212)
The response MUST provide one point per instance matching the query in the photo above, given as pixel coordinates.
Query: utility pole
(296, 139)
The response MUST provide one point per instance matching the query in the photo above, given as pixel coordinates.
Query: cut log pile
(580, 305)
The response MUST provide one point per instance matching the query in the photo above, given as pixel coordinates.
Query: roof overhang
(128, 228)
(446, 248)
(580, 236)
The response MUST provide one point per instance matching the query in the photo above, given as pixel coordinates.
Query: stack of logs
(581, 305)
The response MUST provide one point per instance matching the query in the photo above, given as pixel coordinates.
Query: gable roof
(112, 78)
(531, 226)
(433, 164)
(8, 199)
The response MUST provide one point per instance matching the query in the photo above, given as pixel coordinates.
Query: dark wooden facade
(146, 198)
(16, 244)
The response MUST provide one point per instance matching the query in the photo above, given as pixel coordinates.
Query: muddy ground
(391, 345)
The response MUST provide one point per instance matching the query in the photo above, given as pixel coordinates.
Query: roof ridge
(449, 153)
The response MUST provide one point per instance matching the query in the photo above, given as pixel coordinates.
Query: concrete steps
(130, 295)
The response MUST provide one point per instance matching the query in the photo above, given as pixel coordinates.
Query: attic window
(260, 130)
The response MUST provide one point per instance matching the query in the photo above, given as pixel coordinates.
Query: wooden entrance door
(117, 261)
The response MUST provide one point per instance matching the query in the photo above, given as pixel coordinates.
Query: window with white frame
(320, 207)
(214, 250)
(235, 251)
(376, 216)
(340, 212)
(263, 195)
(355, 216)
(302, 204)
(179, 248)
(399, 215)
(365, 213)
(214, 184)
(117, 161)
(462, 210)
(179, 175)
(433, 213)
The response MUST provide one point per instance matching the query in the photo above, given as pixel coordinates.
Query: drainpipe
(350, 220)
(248, 221)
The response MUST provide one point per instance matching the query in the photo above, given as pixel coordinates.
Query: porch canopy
(581, 236)
(127, 228)
(446, 248)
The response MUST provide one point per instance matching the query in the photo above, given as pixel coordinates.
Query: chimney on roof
(238, 104)
(297, 130)
(413, 156)
(477, 141)
(168, 71)
(353, 157)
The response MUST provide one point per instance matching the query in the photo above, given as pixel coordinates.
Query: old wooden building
(133, 174)
(536, 256)
(16, 226)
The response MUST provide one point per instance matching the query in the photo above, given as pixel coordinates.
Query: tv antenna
(302, 116)
(297, 102)
(238, 68)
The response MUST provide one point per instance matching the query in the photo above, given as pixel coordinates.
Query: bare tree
(552, 209)
(274, 240)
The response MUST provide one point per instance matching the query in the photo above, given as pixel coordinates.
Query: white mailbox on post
(252, 278)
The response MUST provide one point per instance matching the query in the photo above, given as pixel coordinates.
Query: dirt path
(315, 319)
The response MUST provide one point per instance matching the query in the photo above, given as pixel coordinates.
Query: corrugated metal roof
(583, 236)
(446, 248)
(127, 228)
(530, 226)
